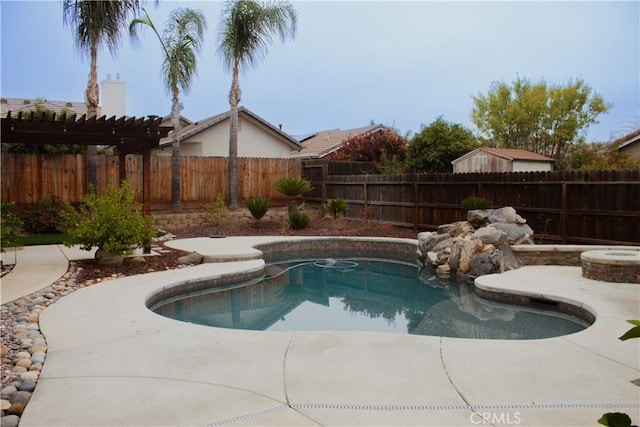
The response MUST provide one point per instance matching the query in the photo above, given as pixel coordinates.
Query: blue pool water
(365, 295)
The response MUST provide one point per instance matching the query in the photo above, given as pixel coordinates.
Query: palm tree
(246, 30)
(96, 24)
(181, 40)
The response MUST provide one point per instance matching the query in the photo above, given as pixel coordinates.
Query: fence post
(563, 216)
(415, 204)
(366, 201)
(325, 174)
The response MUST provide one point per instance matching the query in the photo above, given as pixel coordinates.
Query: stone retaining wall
(179, 221)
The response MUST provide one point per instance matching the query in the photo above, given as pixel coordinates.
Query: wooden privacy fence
(567, 207)
(27, 178)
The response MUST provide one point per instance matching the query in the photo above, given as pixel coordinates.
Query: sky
(401, 64)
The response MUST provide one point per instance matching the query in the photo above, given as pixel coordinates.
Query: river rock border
(24, 348)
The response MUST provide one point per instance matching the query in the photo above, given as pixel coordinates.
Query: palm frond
(248, 27)
(98, 21)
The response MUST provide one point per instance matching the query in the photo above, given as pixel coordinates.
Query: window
(480, 160)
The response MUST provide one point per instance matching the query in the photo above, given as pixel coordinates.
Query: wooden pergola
(128, 135)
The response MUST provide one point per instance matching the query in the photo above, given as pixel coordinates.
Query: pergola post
(146, 181)
(122, 168)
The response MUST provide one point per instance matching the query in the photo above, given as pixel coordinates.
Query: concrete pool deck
(112, 362)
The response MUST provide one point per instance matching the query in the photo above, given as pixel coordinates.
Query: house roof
(21, 104)
(166, 121)
(200, 126)
(628, 139)
(323, 143)
(508, 153)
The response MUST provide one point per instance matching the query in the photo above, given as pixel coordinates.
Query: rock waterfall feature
(478, 246)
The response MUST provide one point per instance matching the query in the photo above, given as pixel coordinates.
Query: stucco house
(487, 159)
(629, 144)
(210, 138)
(320, 144)
(183, 121)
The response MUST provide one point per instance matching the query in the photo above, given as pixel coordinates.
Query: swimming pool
(364, 294)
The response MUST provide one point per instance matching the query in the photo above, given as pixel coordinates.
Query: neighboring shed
(210, 138)
(321, 144)
(486, 159)
(629, 144)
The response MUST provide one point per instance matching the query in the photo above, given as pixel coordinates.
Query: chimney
(114, 96)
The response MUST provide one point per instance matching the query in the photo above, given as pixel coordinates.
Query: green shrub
(9, 225)
(113, 222)
(471, 203)
(336, 207)
(43, 217)
(217, 211)
(390, 165)
(258, 206)
(299, 220)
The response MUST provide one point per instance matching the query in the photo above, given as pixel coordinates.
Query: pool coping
(199, 375)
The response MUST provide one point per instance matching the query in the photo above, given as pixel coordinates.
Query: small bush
(9, 225)
(299, 220)
(336, 207)
(43, 217)
(217, 212)
(258, 206)
(471, 203)
(113, 222)
(216, 209)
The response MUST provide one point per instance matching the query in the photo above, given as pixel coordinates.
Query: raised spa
(618, 266)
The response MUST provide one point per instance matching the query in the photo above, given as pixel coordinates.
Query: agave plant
(336, 207)
(299, 220)
(258, 206)
(292, 188)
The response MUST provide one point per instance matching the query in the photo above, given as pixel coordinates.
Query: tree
(599, 156)
(181, 40)
(96, 24)
(382, 144)
(246, 30)
(538, 117)
(435, 146)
